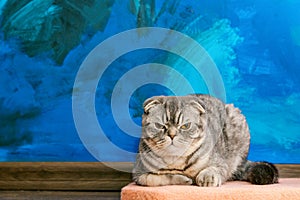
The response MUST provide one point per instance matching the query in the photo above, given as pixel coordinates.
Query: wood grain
(62, 171)
(80, 176)
(289, 171)
(59, 195)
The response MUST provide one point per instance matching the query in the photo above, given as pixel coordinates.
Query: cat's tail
(259, 173)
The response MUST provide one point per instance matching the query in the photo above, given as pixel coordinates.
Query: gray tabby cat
(196, 139)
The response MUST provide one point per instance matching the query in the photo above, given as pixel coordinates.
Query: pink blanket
(288, 188)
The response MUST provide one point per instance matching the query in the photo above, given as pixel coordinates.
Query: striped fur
(196, 139)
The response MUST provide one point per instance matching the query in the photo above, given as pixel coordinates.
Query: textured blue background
(254, 43)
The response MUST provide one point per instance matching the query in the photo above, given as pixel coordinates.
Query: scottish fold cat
(196, 139)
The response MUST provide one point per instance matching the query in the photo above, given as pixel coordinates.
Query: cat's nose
(172, 133)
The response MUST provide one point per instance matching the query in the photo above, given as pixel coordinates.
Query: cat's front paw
(209, 178)
(163, 179)
(178, 179)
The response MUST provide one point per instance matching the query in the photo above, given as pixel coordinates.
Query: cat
(196, 139)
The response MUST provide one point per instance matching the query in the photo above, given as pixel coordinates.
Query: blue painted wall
(254, 43)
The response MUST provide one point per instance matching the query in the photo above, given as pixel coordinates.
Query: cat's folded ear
(199, 105)
(151, 102)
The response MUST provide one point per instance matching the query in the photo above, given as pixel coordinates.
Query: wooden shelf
(80, 176)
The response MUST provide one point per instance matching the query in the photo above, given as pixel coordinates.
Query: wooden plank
(12, 195)
(59, 171)
(99, 185)
(82, 176)
(66, 166)
(288, 171)
(64, 176)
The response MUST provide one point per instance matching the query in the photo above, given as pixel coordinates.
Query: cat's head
(173, 124)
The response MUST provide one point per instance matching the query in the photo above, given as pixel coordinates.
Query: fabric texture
(287, 188)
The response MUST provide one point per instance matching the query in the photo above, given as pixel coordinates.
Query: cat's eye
(186, 126)
(159, 126)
